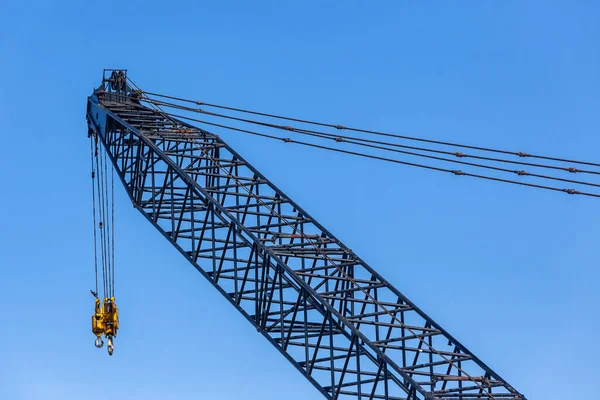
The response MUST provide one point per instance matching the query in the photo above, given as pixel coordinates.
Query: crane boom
(344, 327)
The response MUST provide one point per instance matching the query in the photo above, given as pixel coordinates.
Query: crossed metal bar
(346, 329)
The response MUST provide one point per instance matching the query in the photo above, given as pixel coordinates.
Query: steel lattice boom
(345, 328)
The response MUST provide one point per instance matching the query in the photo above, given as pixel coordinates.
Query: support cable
(353, 140)
(342, 127)
(356, 140)
(455, 172)
(359, 141)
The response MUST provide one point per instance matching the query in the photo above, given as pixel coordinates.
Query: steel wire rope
(482, 389)
(350, 140)
(101, 217)
(346, 138)
(106, 221)
(94, 213)
(108, 226)
(112, 191)
(455, 172)
(487, 149)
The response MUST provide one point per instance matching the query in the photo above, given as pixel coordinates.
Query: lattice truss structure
(345, 328)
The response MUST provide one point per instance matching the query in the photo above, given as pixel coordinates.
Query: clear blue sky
(511, 272)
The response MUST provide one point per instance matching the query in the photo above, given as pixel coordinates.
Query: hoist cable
(351, 140)
(108, 227)
(455, 172)
(341, 127)
(102, 205)
(112, 190)
(94, 213)
(100, 215)
(105, 223)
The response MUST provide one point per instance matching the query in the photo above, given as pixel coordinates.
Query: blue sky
(510, 271)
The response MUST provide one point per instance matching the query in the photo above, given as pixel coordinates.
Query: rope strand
(405, 137)
(94, 214)
(361, 141)
(455, 172)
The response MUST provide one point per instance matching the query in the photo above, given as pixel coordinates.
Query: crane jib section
(345, 328)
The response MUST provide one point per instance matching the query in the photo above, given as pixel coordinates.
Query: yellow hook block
(105, 321)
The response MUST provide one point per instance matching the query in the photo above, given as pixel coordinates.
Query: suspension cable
(359, 140)
(354, 140)
(342, 127)
(156, 104)
(455, 172)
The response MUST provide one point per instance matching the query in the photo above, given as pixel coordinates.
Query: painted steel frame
(345, 328)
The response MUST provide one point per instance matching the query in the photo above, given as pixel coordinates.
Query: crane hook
(110, 346)
(99, 343)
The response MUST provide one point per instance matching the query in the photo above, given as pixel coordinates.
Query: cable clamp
(521, 154)
(573, 170)
(570, 191)
(286, 139)
(457, 172)
(339, 139)
(459, 154)
(521, 173)
(287, 128)
(339, 127)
